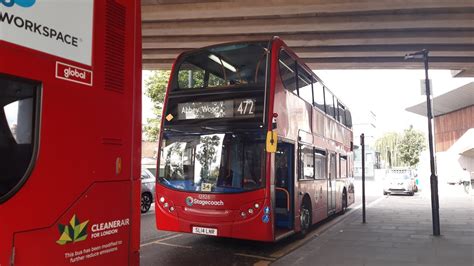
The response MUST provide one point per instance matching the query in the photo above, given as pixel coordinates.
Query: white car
(148, 187)
(400, 183)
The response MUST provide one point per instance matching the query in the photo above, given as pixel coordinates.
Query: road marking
(166, 237)
(170, 237)
(320, 230)
(255, 256)
(172, 245)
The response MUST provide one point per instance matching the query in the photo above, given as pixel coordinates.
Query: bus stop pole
(423, 54)
(433, 177)
(362, 143)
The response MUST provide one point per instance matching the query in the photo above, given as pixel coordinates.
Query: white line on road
(166, 237)
(172, 245)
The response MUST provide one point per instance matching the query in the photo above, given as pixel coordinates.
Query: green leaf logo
(75, 231)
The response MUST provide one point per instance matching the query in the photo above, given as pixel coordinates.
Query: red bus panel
(70, 106)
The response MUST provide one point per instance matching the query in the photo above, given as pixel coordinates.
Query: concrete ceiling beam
(198, 10)
(462, 37)
(458, 21)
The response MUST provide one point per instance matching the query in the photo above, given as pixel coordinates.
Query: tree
(410, 147)
(387, 146)
(156, 86)
(206, 155)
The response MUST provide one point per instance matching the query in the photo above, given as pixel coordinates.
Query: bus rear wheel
(344, 202)
(305, 219)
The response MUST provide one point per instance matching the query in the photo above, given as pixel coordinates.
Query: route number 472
(246, 107)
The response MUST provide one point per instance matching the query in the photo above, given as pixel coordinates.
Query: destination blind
(236, 108)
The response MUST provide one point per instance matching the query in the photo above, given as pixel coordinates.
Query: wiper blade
(210, 128)
(173, 130)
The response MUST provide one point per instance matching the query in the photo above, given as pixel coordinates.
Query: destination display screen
(236, 108)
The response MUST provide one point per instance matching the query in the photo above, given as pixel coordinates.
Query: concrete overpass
(327, 34)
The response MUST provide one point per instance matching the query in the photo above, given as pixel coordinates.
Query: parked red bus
(252, 146)
(70, 132)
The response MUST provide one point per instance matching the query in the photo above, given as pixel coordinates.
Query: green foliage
(387, 146)
(206, 155)
(156, 86)
(398, 150)
(410, 147)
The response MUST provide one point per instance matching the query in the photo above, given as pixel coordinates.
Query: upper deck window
(305, 89)
(341, 113)
(318, 91)
(330, 110)
(221, 66)
(288, 71)
(17, 132)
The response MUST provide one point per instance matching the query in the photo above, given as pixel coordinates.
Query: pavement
(398, 231)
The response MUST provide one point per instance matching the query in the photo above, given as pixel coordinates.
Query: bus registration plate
(204, 231)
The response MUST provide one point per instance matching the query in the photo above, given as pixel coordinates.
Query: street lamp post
(423, 54)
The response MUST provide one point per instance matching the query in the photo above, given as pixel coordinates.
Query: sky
(386, 93)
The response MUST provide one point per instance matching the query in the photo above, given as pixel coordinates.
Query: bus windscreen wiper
(210, 128)
(173, 130)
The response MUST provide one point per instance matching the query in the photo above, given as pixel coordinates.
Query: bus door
(284, 188)
(332, 184)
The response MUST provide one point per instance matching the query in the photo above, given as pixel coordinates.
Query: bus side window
(318, 91)
(343, 166)
(341, 113)
(306, 162)
(305, 89)
(330, 110)
(348, 119)
(319, 164)
(288, 71)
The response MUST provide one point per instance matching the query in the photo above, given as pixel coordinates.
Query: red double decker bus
(252, 146)
(70, 132)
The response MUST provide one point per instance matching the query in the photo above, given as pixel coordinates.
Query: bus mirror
(272, 140)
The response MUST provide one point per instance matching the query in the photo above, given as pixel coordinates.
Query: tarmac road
(171, 248)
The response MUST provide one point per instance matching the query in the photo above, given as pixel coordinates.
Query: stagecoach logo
(73, 232)
(190, 201)
(22, 3)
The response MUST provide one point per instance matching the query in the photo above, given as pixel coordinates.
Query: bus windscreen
(212, 163)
